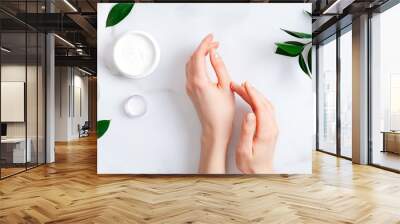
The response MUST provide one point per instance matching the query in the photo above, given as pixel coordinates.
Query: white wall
(12, 73)
(70, 83)
(61, 103)
(16, 73)
(79, 117)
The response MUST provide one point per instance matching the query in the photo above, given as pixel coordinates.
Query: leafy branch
(297, 49)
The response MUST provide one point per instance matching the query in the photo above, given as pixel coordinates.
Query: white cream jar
(136, 54)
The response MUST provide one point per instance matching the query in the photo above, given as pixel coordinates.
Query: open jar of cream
(136, 54)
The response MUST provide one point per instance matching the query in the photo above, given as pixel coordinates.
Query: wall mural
(203, 88)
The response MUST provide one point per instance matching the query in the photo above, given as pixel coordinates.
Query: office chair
(84, 130)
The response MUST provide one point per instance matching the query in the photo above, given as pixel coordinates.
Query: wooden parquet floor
(70, 191)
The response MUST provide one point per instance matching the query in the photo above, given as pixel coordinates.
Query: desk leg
(384, 143)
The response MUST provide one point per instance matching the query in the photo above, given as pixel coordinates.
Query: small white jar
(135, 106)
(136, 54)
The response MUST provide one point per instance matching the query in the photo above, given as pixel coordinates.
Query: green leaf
(288, 49)
(309, 60)
(118, 12)
(303, 65)
(102, 127)
(298, 34)
(295, 43)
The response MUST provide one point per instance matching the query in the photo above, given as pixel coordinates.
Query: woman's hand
(214, 103)
(259, 133)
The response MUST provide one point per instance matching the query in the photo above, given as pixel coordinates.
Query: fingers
(247, 134)
(265, 118)
(244, 152)
(255, 97)
(256, 100)
(202, 49)
(241, 91)
(220, 69)
(197, 63)
(259, 110)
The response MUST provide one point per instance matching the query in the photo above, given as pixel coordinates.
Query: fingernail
(248, 85)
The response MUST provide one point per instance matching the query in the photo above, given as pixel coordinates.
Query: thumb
(246, 135)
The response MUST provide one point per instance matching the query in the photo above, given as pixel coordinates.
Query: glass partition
(385, 90)
(13, 105)
(22, 77)
(327, 96)
(34, 51)
(41, 107)
(346, 94)
(31, 100)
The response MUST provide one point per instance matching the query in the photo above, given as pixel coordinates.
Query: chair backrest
(86, 124)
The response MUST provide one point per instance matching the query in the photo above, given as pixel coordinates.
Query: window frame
(334, 37)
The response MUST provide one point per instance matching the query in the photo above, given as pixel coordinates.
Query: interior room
(22, 101)
(385, 91)
(51, 125)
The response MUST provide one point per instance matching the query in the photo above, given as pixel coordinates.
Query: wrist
(213, 154)
(217, 134)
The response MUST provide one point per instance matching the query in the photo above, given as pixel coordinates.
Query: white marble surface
(166, 139)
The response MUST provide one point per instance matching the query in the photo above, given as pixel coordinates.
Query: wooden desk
(391, 142)
(16, 153)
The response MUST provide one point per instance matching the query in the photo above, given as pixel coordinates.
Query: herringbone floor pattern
(69, 191)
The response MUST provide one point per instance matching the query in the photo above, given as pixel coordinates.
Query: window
(327, 97)
(385, 90)
(395, 102)
(346, 94)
